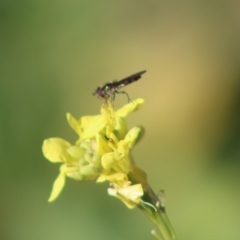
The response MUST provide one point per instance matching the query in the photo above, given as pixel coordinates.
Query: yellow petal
(133, 136)
(116, 177)
(75, 125)
(75, 151)
(91, 126)
(107, 111)
(121, 128)
(110, 134)
(130, 196)
(87, 121)
(89, 172)
(102, 145)
(54, 149)
(58, 184)
(130, 107)
(132, 193)
(110, 159)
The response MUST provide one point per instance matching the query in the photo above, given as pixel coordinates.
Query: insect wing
(128, 80)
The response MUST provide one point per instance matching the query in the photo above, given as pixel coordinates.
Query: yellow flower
(103, 147)
(78, 162)
(129, 194)
(102, 152)
(88, 126)
(119, 160)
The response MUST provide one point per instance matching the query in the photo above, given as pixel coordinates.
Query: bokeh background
(53, 54)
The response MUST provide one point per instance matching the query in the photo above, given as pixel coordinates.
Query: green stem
(152, 206)
(160, 219)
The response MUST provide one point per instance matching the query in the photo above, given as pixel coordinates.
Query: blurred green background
(53, 54)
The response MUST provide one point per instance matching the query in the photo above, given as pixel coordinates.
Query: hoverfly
(108, 90)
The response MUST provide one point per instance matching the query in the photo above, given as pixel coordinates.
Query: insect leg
(123, 92)
(113, 96)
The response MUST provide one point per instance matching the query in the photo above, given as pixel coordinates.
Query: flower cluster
(101, 153)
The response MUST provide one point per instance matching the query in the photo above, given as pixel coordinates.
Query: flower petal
(130, 107)
(115, 177)
(102, 145)
(92, 125)
(132, 193)
(110, 159)
(54, 149)
(75, 151)
(133, 136)
(75, 125)
(58, 184)
(121, 128)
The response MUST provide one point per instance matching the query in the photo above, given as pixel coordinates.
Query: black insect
(110, 89)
